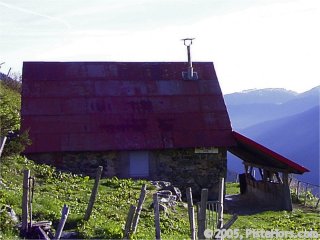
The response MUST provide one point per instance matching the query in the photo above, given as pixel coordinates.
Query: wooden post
(290, 181)
(220, 207)
(230, 222)
(139, 207)
(42, 234)
(317, 204)
(129, 221)
(191, 213)
(93, 194)
(2, 143)
(25, 198)
(279, 179)
(286, 191)
(156, 215)
(30, 200)
(305, 195)
(64, 216)
(202, 215)
(298, 186)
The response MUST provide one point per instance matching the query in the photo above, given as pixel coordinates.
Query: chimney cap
(187, 41)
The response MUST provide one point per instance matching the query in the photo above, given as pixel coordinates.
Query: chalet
(141, 120)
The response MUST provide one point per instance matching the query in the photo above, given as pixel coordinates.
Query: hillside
(296, 137)
(282, 120)
(248, 108)
(53, 189)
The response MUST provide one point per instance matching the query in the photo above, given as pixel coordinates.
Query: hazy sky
(253, 43)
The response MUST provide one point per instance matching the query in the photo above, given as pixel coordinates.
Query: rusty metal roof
(254, 153)
(98, 106)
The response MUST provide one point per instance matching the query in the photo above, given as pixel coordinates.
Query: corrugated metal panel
(252, 152)
(98, 106)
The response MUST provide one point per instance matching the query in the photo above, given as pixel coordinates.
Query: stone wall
(183, 168)
(81, 163)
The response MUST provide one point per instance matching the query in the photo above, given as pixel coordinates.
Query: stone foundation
(81, 163)
(183, 168)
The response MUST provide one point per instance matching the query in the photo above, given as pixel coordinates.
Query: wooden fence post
(191, 213)
(220, 208)
(156, 216)
(25, 198)
(41, 233)
(202, 214)
(64, 216)
(317, 204)
(93, 193)
(305, 195)
(129, 221)
(2, 143)
(31, 190)
(298, 185)
(139, 207)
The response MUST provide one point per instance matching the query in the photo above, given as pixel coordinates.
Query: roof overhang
(253, 153)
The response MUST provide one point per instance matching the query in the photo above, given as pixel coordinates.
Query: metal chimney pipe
(190, 74)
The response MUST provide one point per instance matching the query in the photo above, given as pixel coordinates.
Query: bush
(16, 144)
(10, 105)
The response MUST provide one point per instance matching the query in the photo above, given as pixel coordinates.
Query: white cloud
(271, 45)
(30, 12)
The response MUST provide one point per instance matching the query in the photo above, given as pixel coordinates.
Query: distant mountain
(284, 121)
(251, 107)
(295, 137)
(254, 96)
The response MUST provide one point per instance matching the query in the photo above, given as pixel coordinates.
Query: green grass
(232, 188)
(53, 189)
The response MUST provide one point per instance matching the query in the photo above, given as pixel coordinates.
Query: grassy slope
(53, 189)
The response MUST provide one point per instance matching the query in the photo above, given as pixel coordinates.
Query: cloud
(27, 11)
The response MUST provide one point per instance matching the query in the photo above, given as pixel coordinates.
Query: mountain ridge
(293, 133)
(251, 109)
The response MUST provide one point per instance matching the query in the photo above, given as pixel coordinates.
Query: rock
(69, 235)
(164, 193)
(163, 208)
(161, 184)
(175, 191)
(11, 213)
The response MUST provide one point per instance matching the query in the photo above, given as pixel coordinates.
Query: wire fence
(302, 192)
(305, 193)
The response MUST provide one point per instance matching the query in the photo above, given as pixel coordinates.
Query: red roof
(98, 106)
(252, 152)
